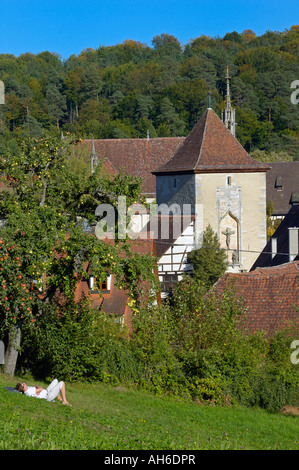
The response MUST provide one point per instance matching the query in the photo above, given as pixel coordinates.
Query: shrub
(78, 343)
(152, 341)
(210, 390)
(192, 346)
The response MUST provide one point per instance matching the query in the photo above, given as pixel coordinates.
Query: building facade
(213, 178)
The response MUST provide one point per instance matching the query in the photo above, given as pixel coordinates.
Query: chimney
(273, 247)
(293, 242)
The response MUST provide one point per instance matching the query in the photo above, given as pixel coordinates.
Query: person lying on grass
(54, 390)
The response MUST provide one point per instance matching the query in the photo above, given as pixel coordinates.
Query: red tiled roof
(270, 295)
(137, 157)
(116, 301)
(286, 268)
(210, 147)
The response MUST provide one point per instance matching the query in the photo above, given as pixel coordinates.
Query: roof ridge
(211, 147)
(138, 139)
(203, 138)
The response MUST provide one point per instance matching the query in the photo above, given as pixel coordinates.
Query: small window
(103, 285)
(168, 282)
(174, 183)
(229, 180)
(36, 285)
(97, 287)
(278, 183)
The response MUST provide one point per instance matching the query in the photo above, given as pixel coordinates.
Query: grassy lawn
(108, 418)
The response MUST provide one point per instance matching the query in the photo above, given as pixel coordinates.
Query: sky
(67, 27)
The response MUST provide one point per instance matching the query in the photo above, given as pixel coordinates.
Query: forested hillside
(122, 91)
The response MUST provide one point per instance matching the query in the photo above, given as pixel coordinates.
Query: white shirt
(31, 392)
(43, 394)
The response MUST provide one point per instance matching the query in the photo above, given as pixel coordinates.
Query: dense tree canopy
(48, 200)
(124, 90)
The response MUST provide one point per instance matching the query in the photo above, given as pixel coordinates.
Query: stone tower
(223, 186)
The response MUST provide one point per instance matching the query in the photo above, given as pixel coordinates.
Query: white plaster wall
(211, 196)
(245, 198)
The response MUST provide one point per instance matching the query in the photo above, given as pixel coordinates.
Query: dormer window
(278, 183)
(104, 286)
(295, 199)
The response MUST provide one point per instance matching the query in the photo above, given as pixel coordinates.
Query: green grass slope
(110, 418)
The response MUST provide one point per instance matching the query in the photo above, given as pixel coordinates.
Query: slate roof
(137, 157)
(283, 186)
(282, 235)
(270, 296)
(210, 147)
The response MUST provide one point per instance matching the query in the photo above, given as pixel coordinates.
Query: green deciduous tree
(15, 300)
(135, 79)
(167, 45)
(44, 204)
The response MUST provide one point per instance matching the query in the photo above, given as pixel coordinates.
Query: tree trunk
(12, 351)
(2, 352)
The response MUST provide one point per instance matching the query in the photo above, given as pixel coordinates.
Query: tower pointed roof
(210, 147)
(229, 114)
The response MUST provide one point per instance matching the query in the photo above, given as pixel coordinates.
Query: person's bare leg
(63, 397)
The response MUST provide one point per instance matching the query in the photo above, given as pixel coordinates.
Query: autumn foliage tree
(123, 90)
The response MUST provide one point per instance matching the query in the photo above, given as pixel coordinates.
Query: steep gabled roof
(137, 157)
(210, 147)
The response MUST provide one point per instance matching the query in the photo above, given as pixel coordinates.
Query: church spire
(229, 112)
(93, 158)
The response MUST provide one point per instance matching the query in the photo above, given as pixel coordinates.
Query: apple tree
(43, 203)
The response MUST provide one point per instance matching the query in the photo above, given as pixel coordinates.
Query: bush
(273, 391)
(153, 343)
(78, 343)
(210, 390)
(191, 346)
